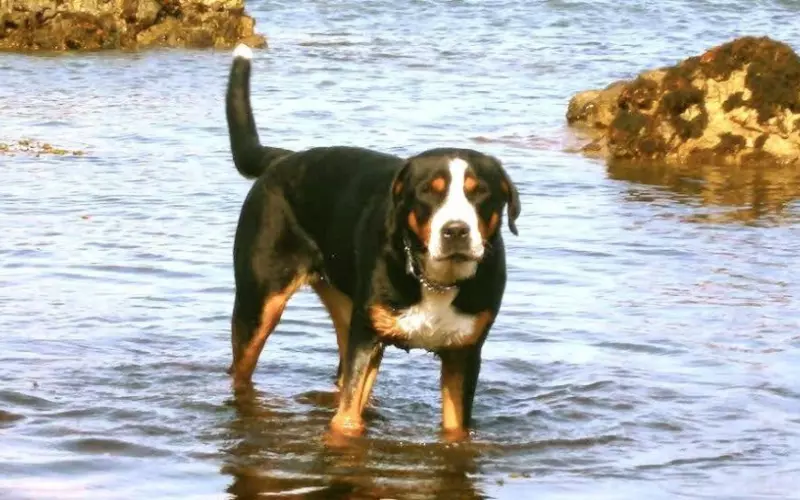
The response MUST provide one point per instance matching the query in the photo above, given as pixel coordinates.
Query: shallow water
(648, 342)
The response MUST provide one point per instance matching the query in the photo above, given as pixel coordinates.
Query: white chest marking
(434, 323)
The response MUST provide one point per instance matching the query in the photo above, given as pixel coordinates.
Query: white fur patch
(456, 207)
(434, 323)
(243, 51)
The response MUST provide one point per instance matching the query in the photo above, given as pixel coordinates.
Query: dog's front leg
(460, 369)
(363, 358)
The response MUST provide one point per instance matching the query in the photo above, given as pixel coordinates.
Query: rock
(146, 12)
(595, 108)
(736, 104)
(36, 148)
(55, 25)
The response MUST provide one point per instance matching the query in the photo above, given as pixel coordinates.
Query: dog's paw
(347, 425)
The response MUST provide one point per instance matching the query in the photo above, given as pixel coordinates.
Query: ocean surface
(649, 341)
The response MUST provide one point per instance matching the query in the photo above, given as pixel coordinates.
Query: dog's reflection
(281, 449)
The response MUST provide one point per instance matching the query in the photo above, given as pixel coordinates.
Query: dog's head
(450, 201)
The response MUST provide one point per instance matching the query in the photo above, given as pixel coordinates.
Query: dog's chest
(434, 323)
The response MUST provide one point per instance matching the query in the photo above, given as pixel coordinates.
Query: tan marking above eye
(470, 184)
(439, 184)
(504, 187)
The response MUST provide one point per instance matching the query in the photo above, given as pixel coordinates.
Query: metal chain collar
(412, 269)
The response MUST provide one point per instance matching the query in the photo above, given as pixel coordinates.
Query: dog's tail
(249, 156)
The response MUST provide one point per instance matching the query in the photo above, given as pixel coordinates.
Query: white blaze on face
(455, 208)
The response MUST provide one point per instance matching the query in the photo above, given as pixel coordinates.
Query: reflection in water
(272, 450)
(735, 194)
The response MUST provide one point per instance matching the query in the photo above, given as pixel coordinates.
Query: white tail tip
(243, 51)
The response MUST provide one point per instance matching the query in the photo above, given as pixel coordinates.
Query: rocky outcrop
(55, 25)
(736, 104)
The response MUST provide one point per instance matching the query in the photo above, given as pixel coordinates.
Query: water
(648, 342)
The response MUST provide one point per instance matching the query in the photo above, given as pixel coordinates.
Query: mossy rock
(88, 25)
(736, 104)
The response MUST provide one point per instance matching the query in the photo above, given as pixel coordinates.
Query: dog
(403, 252)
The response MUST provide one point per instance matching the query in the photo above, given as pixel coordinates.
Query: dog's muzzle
(456, 243)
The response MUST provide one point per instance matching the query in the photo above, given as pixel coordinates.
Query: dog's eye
(429, 188)
(478, 190)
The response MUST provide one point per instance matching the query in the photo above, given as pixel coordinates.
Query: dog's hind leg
(254, 319)
(273, 257)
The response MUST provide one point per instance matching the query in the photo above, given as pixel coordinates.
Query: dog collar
(412, 268)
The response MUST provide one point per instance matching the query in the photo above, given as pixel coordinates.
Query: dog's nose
(455, 230)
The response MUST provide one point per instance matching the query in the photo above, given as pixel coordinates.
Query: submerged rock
(56, 25)
(736, 104)
(36, 148)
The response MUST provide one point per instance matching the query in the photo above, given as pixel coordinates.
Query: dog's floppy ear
(400, 182)
(398, 187)
(512, 199)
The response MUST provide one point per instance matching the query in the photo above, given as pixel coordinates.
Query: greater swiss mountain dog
(402, 252)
